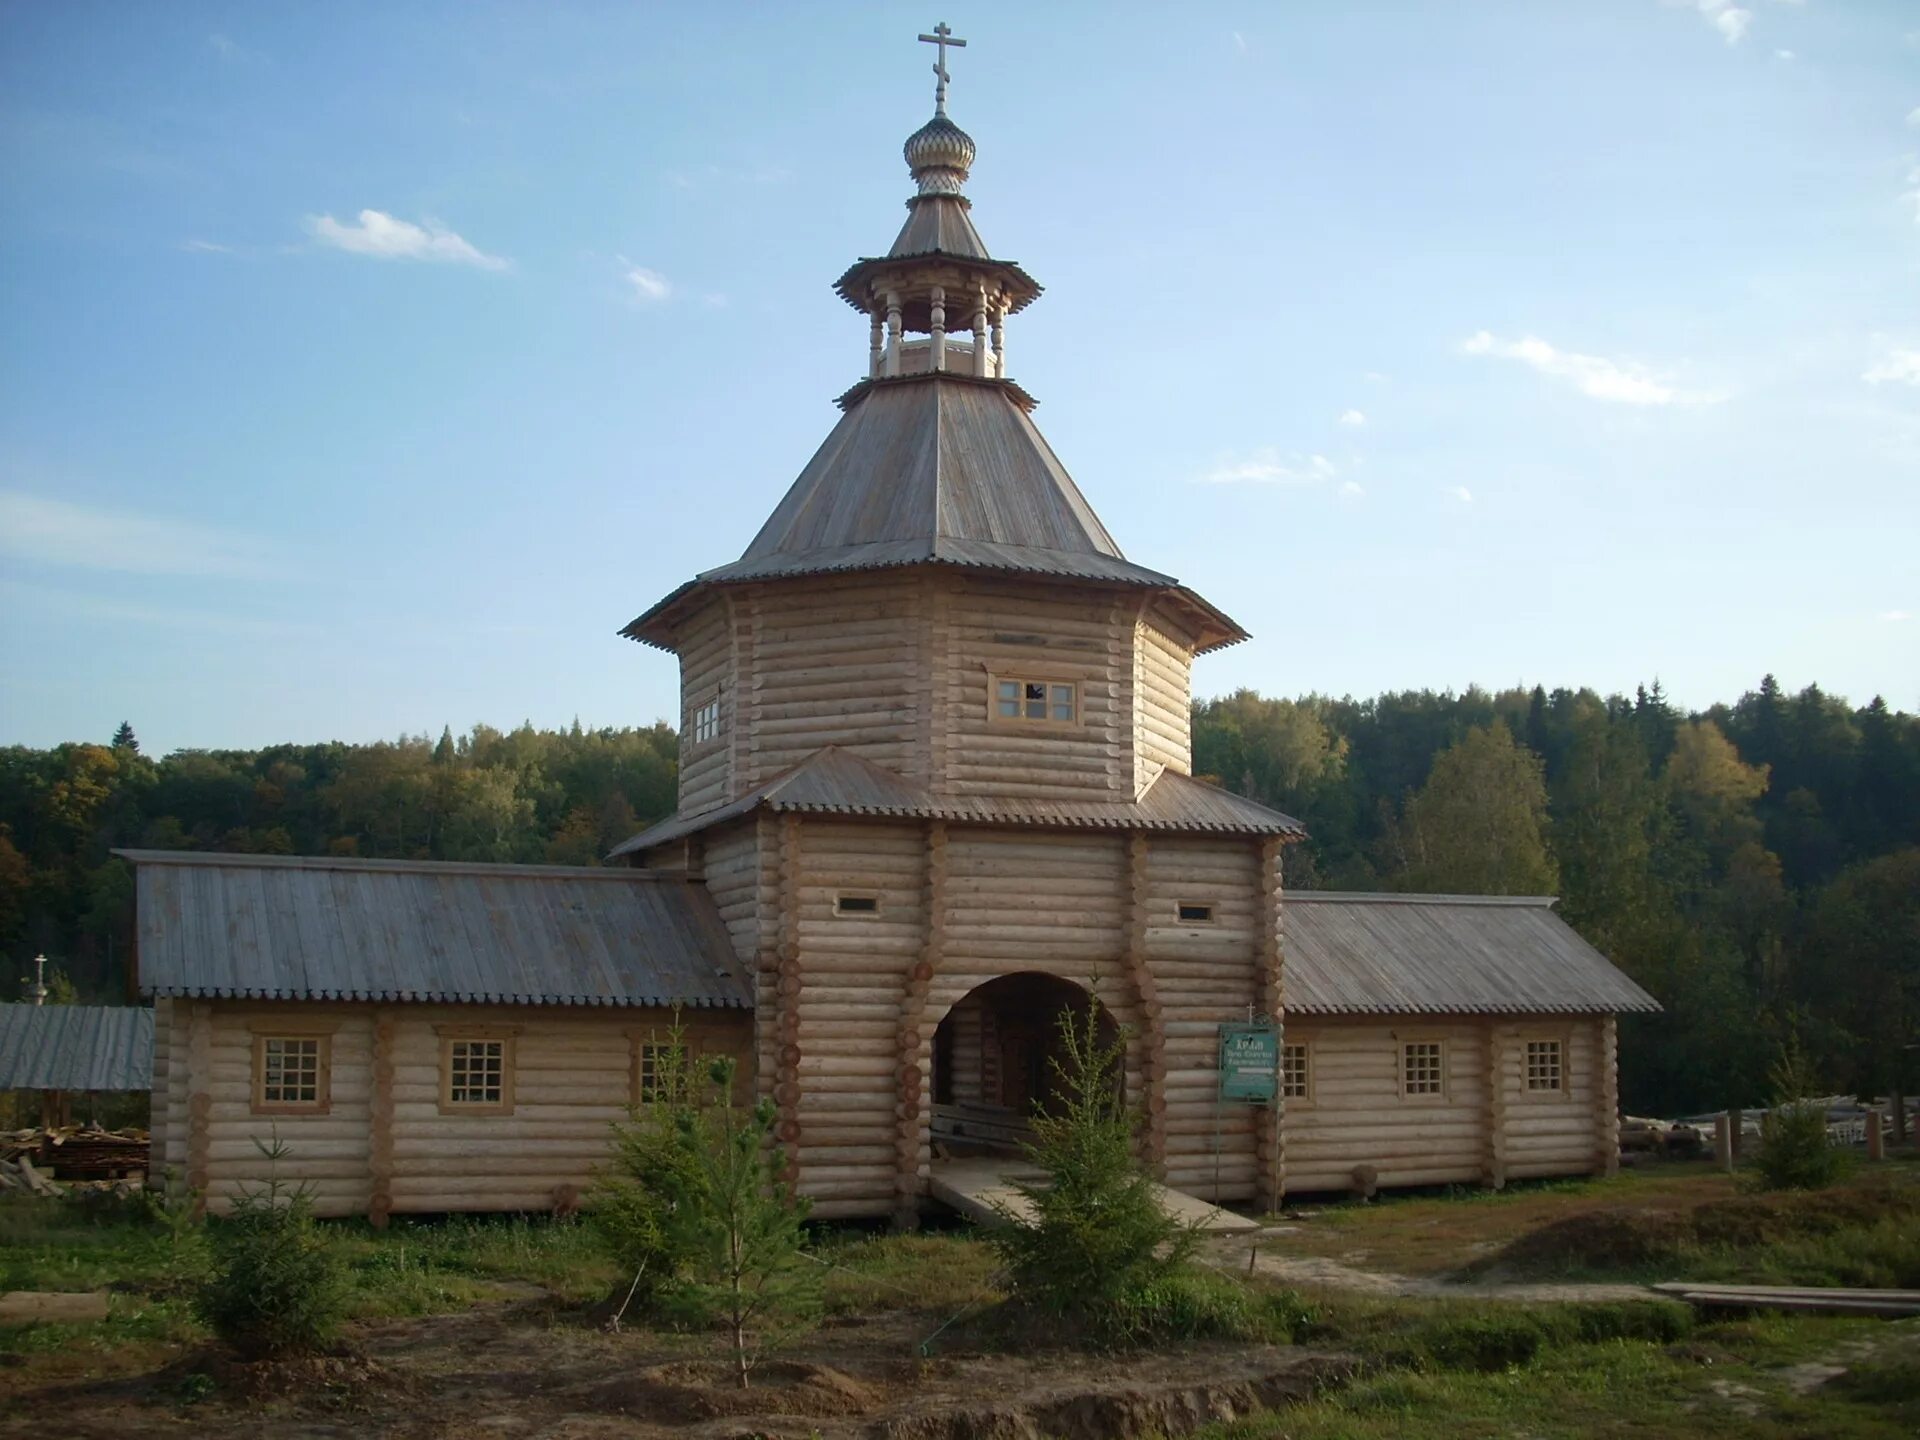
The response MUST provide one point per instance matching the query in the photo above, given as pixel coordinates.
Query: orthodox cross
(943, 37)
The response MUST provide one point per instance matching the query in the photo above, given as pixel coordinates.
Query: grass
(1450, 1369)
(872, 1274)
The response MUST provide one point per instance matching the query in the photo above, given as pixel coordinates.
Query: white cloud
(1352, 417)
(1595, 376)
(1894, 617)
(382, 236)
(1351, 490)
(59, 532)
(1899, 367)
(650, 287)
(231, 50)
(1239, 42)
(1912, 196)
(1913, 116)
(206, 247)
(1460, 493)
(1269, 467)
(1783, 55)
(1726, 17)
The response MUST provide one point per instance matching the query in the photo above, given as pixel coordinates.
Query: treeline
(1756, 866)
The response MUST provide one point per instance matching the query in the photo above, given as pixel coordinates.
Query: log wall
(1163, 700)
(384, 1145)
(707, 671)
(1486, 1128)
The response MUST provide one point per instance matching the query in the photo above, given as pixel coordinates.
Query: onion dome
(940, 154)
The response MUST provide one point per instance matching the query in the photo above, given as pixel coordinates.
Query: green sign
(1250, 1063)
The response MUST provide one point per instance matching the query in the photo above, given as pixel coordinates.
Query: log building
(935, 781)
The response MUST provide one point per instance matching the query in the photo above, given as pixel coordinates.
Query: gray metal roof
(833, 781)
(936, 469)
(1356, 954)
(939, 225)
(76, 1047)
(277, 927)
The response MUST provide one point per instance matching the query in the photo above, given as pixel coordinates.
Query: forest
(1755, 865)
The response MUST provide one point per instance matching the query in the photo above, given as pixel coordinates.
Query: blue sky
(365, 367)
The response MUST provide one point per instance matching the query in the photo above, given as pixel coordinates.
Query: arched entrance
(993, 1060)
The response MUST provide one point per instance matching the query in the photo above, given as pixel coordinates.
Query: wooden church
(935, 782)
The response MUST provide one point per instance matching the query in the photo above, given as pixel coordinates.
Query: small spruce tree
(276, 1285)
(1794, 1150)
(1098, 1238)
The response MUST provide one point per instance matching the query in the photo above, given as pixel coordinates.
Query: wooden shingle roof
(287, 928)
(1363, 954)
(833, 781)
(76, 1047)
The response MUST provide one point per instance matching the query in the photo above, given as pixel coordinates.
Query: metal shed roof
(76, 1047)
(833, 781)
(1363, 954)
(276, 927)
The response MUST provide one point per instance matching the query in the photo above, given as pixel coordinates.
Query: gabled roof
(936, 469)
(833, 781)
(285, 928)
(76, 1047)
(1361, 954)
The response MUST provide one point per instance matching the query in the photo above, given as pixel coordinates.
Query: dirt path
(1271, 1260)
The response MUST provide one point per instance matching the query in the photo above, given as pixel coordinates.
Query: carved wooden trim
(742, 612)
(1153, 1032)
(380, 1122)
(1270, 1167)
(913, 1109)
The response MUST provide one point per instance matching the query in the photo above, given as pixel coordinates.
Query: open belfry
(935, 786)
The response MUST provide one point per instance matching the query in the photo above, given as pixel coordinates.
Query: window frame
(713, 702)
(1207, 916)
(1305, 1095)
(452, 1035)
(1561, 1091)
(263, 1031)
(1442, 1069)
(642, 1079)
(866, 905)
(1048, 721)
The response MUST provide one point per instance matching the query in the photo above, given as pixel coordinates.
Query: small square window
(1051, 702)
(856, 905)
(1192, 913)
(476, 1074)
(1421, 1068)
(290, 1074)
(652, 1068)
(1545, 1067)
(1295, 1076)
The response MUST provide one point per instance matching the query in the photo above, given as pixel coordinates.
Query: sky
(364, 367)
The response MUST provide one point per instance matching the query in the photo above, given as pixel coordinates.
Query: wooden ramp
(980, 1186)
(1823, 1299)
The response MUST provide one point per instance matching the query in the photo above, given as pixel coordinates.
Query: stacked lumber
(79, 1152)
(20, 1176)
(1817, 1299)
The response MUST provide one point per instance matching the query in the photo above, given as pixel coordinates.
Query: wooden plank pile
(1823, 1300)
(78, 1152)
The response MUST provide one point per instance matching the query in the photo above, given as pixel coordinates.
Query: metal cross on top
(943, 37)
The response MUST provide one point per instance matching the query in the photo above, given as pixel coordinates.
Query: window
(1545, 1065)
(1192, 914)
(1051, 702)
(856, 905)
(653, 1062)
(476, 1071)
(1422, 1068)
(291, 1074)
(1296, 1076)
(705, 724)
